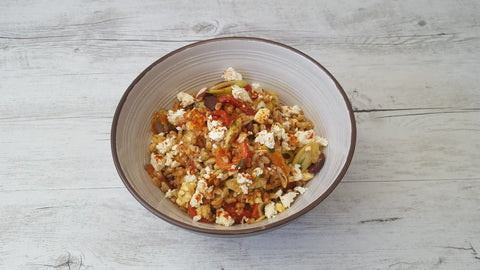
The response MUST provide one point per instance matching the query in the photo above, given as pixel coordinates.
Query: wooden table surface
(411, 197)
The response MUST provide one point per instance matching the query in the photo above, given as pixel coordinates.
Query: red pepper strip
(243, 152)
(255, 211)
(236, 103)
(150, 170)
(227, 119)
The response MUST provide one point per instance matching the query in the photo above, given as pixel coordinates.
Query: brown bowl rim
(244, 230)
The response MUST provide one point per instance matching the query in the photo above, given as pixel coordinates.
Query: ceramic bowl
(296, 77)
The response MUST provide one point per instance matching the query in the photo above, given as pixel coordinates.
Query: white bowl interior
(296, 78)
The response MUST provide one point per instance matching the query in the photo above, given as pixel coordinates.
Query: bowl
(296, 77)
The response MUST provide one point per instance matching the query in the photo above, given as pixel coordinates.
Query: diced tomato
(192, 211)
(150, 169)
(243, 152)
(248, 88)
(255, 211)
(222, 160)
(235, 102)
(227, 119)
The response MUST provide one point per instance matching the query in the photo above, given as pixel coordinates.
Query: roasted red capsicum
(235, 102)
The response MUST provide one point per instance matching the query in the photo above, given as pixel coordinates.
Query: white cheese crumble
(224, 218)
(190, 178)
(305, 137)
(217, 133)
(257, 172)
(270, 210)
(323, 141)
(262, 115)
(256, 88)
(170, 161)
(231, 74)
(196, 199)
(197, 218)
(170, 193)
(288, 198)
(289, 111)
(185, 99)
(165, 145)
(157, 162)
(265, 138)
(297, 173)
(300, 190)
(240, 93)
(176, 117)
(244, 181)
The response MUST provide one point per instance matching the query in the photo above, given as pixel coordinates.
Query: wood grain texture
(410, 199)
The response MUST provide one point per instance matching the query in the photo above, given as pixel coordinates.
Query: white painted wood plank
(416, 224)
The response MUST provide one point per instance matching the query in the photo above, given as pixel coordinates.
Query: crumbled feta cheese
(321, 140)
(256, 88)
(240, 93)
(257, 172)
(278, 193)
(170, 161)
(262, 115)
(297, 173)
(265, 138)
(224, 218)
(212, 124)
(214, 146)
(196, 199)
(220, 176)
(289, 111)
(279, 132)
(157, 162)
(217, 133)
(197, 218)
(170, 193)
(185, 99)
(176, 117)
(305, 137)
(231, 74)
(286, 146)
(270, 210)
(300, 190)
(243, 181)
(288, 198)
(204, 189)
(165, 145)
(190, 178)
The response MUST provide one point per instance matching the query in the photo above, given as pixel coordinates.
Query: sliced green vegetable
(260, 183)
(307, 155)
(235, 128)
(232, 184)
(240, 164)
(225, 87)
(271, 150)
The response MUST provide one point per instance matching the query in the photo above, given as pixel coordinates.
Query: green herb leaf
(271, 150)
